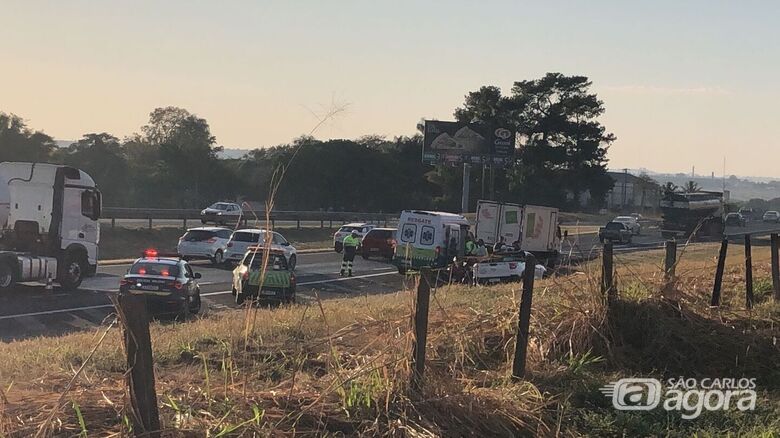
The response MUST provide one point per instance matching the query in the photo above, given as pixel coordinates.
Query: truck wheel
(6, 276)
(72, 271)
(240, 298)
(292, 262)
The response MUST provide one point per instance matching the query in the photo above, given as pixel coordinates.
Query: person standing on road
(499, 246)
(351, 245)
(470, 246)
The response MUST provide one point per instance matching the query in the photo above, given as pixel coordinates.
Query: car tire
(203, 221)
(184, 313)
(293, 262)
(72, 272)
(218, 258)
(401, 270)
(6, 276)
(196, 307)
(240, 297)
(366, 255)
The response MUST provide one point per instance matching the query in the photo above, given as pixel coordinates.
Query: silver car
(204, 243)
(241, 240)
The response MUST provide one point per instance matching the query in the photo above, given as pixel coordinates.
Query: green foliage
(565, 146)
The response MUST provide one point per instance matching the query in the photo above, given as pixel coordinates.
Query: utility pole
(464, 201)
(625, 187)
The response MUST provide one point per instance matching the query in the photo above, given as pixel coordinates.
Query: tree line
(173, 162)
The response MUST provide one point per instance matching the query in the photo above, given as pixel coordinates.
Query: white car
(243, 239)
(204, 243)
(631, 223)
(361, 228)
(498, 271)
(221, 213)
(771, 216)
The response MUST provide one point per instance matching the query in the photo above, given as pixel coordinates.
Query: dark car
(735, 220)
(748, 214)
(379, 242)
(168, 283)
(615, 232)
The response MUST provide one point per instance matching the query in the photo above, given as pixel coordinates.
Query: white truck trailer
(536, 227)
(49, 227)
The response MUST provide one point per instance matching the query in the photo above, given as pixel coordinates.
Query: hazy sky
(684, 82)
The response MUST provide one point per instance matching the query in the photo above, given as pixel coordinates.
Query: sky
(684, 83)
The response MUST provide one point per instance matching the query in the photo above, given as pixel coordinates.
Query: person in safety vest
(351, 245)
(471, 247)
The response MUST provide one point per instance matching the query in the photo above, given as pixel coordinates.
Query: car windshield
(350, 229)
(219, 206)
(624, 219)
(276, 262)
(246, 236)
(614, 226)
(155, 268)
(198, 235)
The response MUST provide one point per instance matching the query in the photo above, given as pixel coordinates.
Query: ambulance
(429, 239)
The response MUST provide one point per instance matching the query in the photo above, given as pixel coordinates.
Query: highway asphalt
(30, 310)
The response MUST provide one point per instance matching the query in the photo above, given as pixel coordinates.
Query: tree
(103, 158)
(565, 145)
(670, 188)
(188, 171)
(19, 143)
(691, 187)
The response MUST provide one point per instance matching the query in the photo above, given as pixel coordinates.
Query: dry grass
(342, 368)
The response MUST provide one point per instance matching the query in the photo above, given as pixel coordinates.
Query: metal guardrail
(330, 217)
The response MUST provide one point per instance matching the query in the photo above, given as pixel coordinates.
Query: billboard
(456, 143)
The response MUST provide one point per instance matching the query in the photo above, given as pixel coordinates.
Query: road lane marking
(53, 312)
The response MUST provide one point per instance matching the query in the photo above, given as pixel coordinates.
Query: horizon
(672, 81)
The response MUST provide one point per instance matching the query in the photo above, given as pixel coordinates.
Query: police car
(278, 284)
(169, 284)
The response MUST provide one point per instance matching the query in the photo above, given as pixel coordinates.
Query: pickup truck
(503, 269)
(615, 232)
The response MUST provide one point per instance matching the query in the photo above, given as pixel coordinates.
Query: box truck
(535, 227)
(49, 228)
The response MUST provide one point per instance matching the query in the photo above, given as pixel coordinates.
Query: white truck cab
(49, 225)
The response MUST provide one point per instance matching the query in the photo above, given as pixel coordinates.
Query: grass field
(341, 367)
(119, 243)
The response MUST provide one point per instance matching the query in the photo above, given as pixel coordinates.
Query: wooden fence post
(748, 273)
(140, 378)
(775, 267)
(524, 318)
(298, 224)
(671, 259)
(724, 246)
(420, 329)
(185, 223)
(150, 223)
(113, 222)
(607, 274)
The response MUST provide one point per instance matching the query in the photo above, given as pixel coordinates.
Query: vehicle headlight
(219, 213)
(203, 212)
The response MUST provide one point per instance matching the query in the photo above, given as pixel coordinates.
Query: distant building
(631, 192)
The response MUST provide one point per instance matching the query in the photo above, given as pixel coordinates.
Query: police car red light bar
(151, 252)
